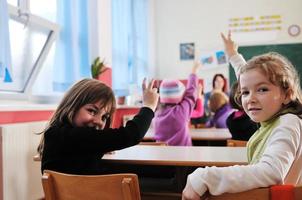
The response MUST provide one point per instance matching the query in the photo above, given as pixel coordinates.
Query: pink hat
(171, 91)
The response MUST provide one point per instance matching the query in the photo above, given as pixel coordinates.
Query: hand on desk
(189, 194)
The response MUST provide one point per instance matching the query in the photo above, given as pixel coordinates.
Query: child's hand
(196, 66)
(150, 95)
(231, 48)
(189, 194)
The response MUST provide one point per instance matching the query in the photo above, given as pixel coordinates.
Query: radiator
(20, 175)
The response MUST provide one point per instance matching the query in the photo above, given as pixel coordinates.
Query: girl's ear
(288, 97)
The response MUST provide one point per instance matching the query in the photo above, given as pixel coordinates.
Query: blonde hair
(281, 73)
(217, 100)
(83, 92)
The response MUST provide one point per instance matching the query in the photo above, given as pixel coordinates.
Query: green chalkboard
(292, 51)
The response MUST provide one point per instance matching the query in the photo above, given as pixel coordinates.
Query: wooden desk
(206, 134)
(194, 156)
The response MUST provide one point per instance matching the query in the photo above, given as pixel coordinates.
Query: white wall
(181, 21)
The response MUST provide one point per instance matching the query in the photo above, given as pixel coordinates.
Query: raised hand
(231, 48)
(150, 95)
(196, 66)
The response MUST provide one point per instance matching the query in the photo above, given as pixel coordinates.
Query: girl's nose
(98, 122)
(252, 98)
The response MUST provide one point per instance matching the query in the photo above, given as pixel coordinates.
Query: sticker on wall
(207, 60)
(221, 58)
(187, 51)
(213, 58)
(256, 23)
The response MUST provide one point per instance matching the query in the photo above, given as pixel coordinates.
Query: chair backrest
(236, 143)
(255, 194)
(60, 186)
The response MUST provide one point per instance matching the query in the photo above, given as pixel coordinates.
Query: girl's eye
(262, 90)
(105, 117)
(244, 93)
(92, 111)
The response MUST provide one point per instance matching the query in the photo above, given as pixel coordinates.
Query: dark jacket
(79, 150)
(241, 126)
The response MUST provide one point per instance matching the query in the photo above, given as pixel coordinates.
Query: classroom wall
(181, 21)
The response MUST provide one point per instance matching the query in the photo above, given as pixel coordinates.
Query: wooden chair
(60, 186)
(255, 194)
(236, 143)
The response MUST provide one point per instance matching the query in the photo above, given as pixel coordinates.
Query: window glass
(13, 2)
(45, 9)
(27, 43)
(30, 38)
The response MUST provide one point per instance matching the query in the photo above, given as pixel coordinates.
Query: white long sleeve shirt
(281, 162)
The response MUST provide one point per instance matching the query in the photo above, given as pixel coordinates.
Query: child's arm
(278, 164)
(199, 109)
(186, 106)
(231, 49)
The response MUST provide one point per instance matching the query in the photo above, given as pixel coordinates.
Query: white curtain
(72, 50)
(129, 44)
(5, 49)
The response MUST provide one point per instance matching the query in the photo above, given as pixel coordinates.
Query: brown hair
(217, 100)
(83, 92)
(224, 89)
(281, 73)
(233, 93)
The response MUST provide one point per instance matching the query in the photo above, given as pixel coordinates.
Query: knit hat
(171, 91)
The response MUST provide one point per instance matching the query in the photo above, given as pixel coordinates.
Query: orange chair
(60, 186)
(236, 143)
(272, 193)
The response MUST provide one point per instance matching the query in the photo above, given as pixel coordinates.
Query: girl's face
(260, 98)
(219, 83)
(91, 115)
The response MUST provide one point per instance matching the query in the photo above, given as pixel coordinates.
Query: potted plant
(100, 71)
(98, 67)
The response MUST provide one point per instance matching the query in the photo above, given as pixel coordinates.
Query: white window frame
(35, 21)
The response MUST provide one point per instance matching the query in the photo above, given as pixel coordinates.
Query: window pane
(13, 2)
(46, 9)
(26, 44)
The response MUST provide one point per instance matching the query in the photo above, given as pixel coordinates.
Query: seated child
(219, 105)
(270, 93)
(78, 134)
(176, 105)
(239, 123)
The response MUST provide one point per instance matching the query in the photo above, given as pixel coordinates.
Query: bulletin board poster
(213, 59)
(187, 51)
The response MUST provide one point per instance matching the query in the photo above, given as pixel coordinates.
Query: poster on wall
(187, 51)
(212, 59)
(255, 29)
